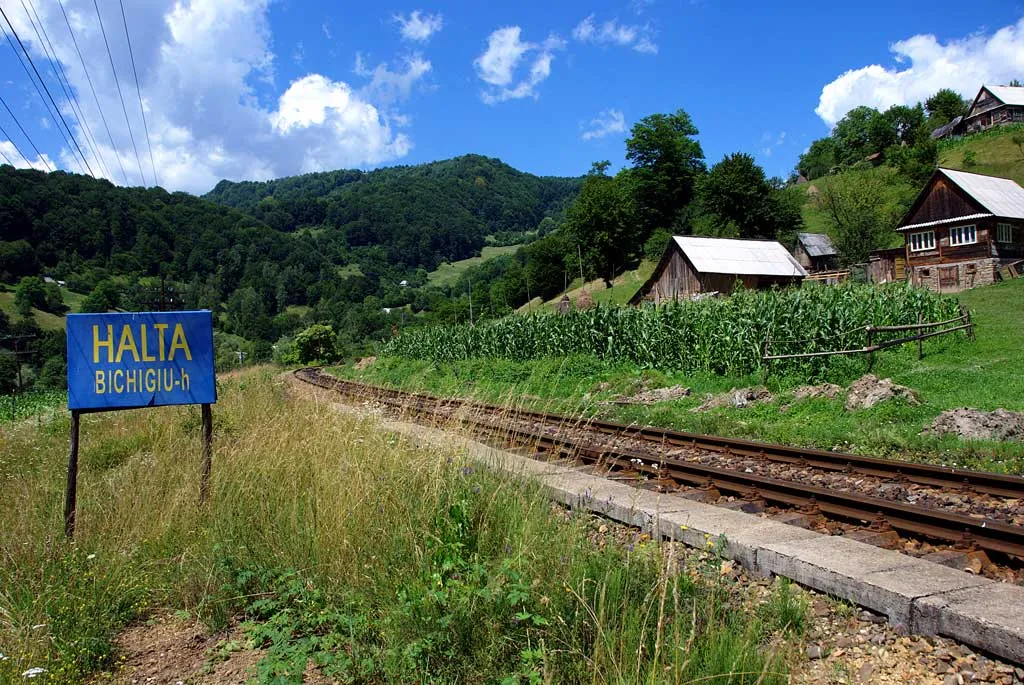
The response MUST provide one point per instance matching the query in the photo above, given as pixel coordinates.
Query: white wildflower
(33, 672)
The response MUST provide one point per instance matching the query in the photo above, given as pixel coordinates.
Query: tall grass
(343, 547)
(717, 335)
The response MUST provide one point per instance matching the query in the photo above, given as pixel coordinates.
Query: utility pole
(471, 303)
(579, 256)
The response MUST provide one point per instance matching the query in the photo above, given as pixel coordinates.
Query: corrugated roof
(817, 244)
(1000, 196)
(1010, 95)
(741, 257)
(951, 220)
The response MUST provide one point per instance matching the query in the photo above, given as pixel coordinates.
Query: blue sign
(142, 359)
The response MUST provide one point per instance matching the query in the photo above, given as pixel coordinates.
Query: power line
(43, 83)
(95, 97)
(138, 90)
(6, 137)
(119, 94)
(21, 128)
(65, 84)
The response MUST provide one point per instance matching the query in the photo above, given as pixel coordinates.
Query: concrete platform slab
(989, 616)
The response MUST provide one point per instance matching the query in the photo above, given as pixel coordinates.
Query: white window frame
(1004, 233)
(925, 241)
(963, 235)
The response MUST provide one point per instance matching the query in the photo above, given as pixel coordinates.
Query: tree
(819, 160)
(863, 131)
(862, 211)
(736, 194)
(943, 107)
(906, 123)
(601, 225)
(667, 160)
(318, 343)
(29, 293)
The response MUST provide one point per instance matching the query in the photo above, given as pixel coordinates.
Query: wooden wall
(942, 201)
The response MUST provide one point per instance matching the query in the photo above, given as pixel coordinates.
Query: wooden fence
(959, 323)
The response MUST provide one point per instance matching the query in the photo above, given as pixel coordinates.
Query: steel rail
(1001, 485)
(988, 534)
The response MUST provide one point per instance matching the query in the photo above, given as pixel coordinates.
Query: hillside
(419, 215)
(992, 152)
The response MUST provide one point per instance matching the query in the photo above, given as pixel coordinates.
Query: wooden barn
(815, 252)
(994, 106)
(693, 265)
(962, 229)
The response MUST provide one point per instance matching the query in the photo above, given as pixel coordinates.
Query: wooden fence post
(871, 352)
(207, 454)
(920, 340)
(71, 490)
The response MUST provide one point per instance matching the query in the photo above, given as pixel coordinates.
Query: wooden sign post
(133, 361)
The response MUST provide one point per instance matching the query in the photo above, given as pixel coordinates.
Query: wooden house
(694, 265)
(887, 266)
(962, 229)
(993, 106)
(815, 252)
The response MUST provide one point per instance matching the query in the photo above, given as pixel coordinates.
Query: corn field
(723, 336)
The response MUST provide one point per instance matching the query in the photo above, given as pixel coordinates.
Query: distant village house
(693, 265)
(815, 252)
(992, 106)
(962, 229)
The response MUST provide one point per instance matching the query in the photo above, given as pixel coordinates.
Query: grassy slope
(623, 287)
(46, 321)
(449, 273)
(994, 153)
(986, 374)
(425, 570)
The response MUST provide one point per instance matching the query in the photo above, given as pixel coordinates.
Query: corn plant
(724, 336)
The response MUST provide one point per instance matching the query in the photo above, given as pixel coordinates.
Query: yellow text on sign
(143, 345)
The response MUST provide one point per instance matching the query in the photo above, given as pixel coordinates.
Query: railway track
(992, 505)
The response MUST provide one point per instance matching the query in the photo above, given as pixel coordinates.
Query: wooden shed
(815, 252)
(962, 229)
(887, 266)
(694, 265)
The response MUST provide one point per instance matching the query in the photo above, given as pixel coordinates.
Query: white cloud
(611, 32)
(607, 122)
(10, 151)
(418, 26)
(325, 27)
(207, 75)
(498, 64)
(389, 86)
(299, 54)
(927, 66)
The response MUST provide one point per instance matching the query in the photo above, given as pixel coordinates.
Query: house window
(963, 235)
(922, 241)
(1004, 233)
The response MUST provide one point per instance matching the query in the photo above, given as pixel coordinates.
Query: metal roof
(817, 244)
(1010, 95)
(938, 222)
(741, 257)
(1000, 196)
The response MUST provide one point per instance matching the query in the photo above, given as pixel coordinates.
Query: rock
(812, 392)
(869, 390)
(869, 617)
(652, 396)
(743, 397)
(844, 642)
(813, 652)
(974, 424)
(864, 674)
(364, 363)
(950, 680)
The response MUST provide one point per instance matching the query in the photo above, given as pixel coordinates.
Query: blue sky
(251, 89)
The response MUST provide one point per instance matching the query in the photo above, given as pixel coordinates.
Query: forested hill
(418, 215)
(75, 226)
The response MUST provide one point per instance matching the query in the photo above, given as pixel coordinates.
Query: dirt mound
(364, 363)
(828, 391)
(584, 300)
(735, 398)
(646, 396)
(869, 390)
(974, 424)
